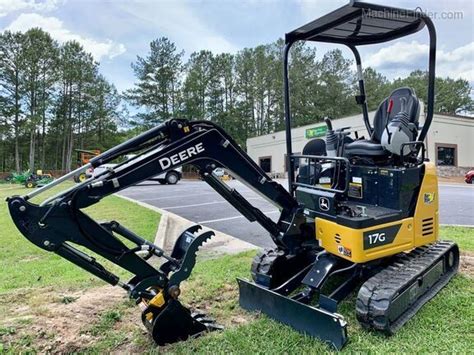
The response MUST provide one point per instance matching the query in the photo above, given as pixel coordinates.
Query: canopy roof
(359, 23)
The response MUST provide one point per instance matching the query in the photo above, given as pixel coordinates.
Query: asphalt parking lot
(196, 201)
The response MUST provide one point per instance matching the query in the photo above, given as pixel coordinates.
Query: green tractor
(37, 180)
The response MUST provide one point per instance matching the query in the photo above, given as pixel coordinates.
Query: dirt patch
(48, 321)
(467, 263)
(56, 322)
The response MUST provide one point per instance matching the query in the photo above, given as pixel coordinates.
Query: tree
(158, 87)
(100, 125)
(5, 135)
(196, 85)
(451, 96)
(306, 86)
(40, 57)
(245, 77)
(377, 87)
(275, 108)
(52, 99)
(11, 67)
(226, 66)
(337, 96)
(77, 70)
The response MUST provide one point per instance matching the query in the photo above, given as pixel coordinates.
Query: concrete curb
(172, 225)
(457, 225)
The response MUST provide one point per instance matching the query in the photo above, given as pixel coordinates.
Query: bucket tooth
(184, 254)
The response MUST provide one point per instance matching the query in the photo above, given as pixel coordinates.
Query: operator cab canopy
(359, 23)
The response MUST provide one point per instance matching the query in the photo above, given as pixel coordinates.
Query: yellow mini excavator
(359, 215)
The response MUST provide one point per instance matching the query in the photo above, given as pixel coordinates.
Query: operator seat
(309, 173)
(315, 146)
(402, 100)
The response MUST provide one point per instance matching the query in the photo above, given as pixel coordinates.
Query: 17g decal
(380, 236)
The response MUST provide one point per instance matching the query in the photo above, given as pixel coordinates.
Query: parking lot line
(176, 196)
(138, 192)
(204, 203)
(193, 205)
(235, 217)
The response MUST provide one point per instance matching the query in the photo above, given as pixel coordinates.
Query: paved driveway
(196, 201)
(456, 204)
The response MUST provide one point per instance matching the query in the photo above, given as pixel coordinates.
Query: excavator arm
(59, 224)
(205, 146)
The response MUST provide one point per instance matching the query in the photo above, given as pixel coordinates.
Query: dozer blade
(327, 326)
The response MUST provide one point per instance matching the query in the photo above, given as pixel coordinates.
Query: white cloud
(99, 49)
(399, 55)
(403, 57)
(178, 22)
(9, 6)
(458, 63)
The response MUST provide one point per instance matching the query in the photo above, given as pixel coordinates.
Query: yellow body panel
(427, 207)
(348, 243)
(353, 244)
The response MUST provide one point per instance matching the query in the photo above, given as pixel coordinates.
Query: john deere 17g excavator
(358, 215)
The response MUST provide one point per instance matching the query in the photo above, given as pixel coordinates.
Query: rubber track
(376, 294)
(262, 262)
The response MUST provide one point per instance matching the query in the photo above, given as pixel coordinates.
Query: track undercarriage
(390, 292)
(391, 297)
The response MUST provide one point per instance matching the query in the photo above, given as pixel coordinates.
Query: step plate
(327, 326)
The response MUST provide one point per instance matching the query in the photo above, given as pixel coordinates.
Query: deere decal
(429, 197)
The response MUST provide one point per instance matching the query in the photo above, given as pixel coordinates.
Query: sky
(116, 31)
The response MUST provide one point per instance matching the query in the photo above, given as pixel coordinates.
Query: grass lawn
(37, 289)
(464, 237)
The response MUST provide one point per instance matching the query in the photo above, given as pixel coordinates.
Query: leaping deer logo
(324, 204)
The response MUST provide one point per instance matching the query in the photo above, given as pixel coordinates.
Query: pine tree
(40, 57)
(196, 86)
(77, 70)
(11, 69)
(159, 82)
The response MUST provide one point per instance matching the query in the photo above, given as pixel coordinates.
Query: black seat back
(315, 146)
(401, 99)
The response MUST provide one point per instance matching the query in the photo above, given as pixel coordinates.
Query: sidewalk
(452, 180)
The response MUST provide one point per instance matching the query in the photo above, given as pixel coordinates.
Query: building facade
(449, 143)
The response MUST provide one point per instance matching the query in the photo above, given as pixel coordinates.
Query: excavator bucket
(317, 322)
(165, 318)
(176, 323)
